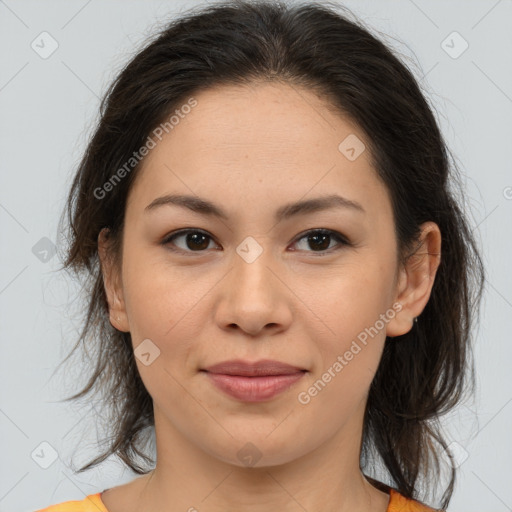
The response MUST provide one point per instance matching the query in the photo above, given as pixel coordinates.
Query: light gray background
(47, 107)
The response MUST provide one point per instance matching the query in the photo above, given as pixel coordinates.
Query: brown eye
(192, 240)
(319, 240)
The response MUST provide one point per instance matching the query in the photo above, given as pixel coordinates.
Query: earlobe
(416, 280)
(111, 283)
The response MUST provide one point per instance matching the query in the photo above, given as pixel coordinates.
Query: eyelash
(333, 234)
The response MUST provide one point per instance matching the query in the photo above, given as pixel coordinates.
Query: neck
(186, 478)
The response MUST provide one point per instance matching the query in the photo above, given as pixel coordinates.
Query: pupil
(324, 238)
(194, 237)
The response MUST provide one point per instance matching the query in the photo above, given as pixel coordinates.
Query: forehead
(263, 118)
(262, 142)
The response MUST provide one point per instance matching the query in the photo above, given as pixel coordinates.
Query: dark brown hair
(423, 373)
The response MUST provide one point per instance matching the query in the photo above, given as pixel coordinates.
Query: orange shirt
(93, 503)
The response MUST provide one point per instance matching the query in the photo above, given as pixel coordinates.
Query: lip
(253, 382)
(261, 368)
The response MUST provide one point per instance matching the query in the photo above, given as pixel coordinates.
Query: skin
(250, 150)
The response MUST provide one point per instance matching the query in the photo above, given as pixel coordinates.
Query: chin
(258, 450)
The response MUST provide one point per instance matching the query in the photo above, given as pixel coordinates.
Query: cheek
(347, 360)
(161, 299)
(352, 313)
(351, 299)
(163, 304)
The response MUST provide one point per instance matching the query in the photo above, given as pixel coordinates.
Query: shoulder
(399, 503)
(91, 503)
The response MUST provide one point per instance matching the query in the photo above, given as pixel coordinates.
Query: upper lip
(253, 369)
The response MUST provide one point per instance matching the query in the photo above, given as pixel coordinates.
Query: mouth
(253, 382)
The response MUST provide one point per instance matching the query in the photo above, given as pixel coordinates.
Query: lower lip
(253, 389)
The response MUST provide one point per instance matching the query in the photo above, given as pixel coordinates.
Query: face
(259, 282)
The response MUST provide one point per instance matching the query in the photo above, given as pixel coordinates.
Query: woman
(282, 284)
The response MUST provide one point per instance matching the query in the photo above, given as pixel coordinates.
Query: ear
(112, 283)
(416, 278)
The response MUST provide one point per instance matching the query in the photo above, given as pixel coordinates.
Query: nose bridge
(251, 264)
(252, 299)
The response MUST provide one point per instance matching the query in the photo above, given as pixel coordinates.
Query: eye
(194, 240)
(320, 240)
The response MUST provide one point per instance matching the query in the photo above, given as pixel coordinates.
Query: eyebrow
(205, 207)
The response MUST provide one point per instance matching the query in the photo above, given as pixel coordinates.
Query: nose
(253, 297)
